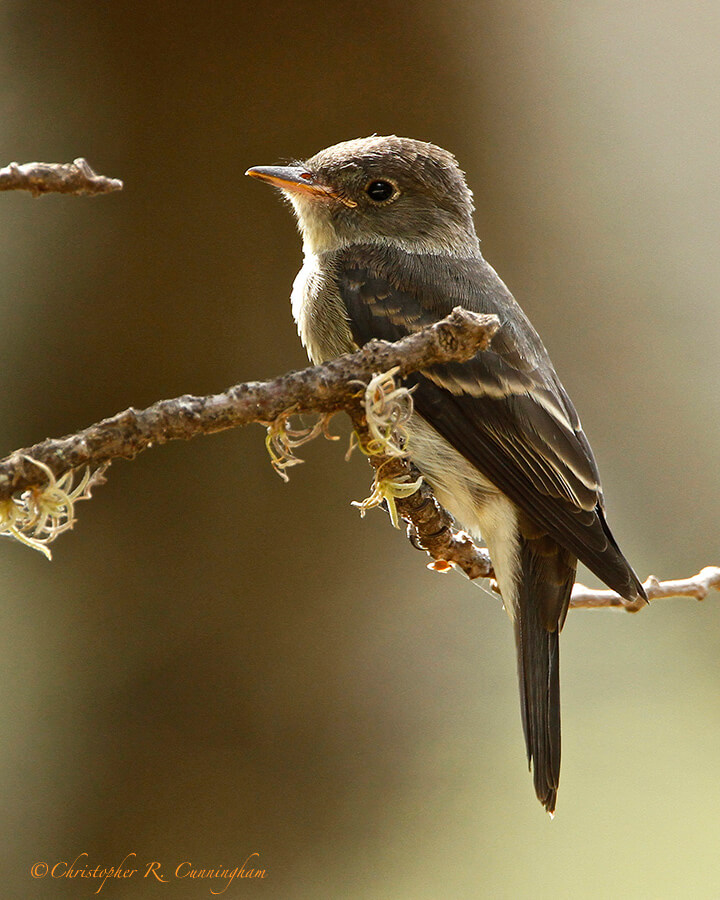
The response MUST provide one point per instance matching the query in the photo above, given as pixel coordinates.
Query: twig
(40, 178)
(698, 586)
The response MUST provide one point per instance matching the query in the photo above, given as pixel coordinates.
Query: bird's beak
(288, 178)
(297, 180)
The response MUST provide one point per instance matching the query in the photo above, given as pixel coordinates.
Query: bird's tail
(546, 577)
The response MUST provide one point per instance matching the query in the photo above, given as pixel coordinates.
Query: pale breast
(319, 311)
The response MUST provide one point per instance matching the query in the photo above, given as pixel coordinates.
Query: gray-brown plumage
(390, 246)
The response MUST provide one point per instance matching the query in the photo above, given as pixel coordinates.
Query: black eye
(379, 191)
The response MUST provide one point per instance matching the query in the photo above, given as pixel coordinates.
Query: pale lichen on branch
(282, 440)
(37, 516)
(388, 408)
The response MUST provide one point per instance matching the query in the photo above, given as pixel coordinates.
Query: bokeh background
(216, 663)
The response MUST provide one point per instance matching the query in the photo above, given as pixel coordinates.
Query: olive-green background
(216, 663)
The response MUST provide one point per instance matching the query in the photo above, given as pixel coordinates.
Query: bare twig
(39, 178)
(697, 587)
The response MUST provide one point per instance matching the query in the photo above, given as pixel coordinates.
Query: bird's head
(386, 190)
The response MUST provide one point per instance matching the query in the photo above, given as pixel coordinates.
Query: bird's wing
(505, 410)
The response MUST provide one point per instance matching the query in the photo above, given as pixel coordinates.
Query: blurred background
(217, 663)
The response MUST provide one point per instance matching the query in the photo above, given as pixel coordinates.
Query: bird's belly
(457, 484)
(475, 503)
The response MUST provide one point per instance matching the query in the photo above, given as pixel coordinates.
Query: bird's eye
(380, 191)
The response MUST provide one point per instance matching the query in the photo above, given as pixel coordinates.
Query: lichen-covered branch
(430, 528)
(40, 178)
(337, 385)
(37, 490)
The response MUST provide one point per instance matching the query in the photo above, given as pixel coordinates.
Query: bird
(390, 247)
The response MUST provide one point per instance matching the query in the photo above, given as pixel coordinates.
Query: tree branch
(430, 526)
(337, 385)
(39, 178)
(431, 529)
(37, 498)
(698, 587)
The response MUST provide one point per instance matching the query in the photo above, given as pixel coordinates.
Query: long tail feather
(547, 573)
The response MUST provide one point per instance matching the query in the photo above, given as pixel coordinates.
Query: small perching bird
(390, 247)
